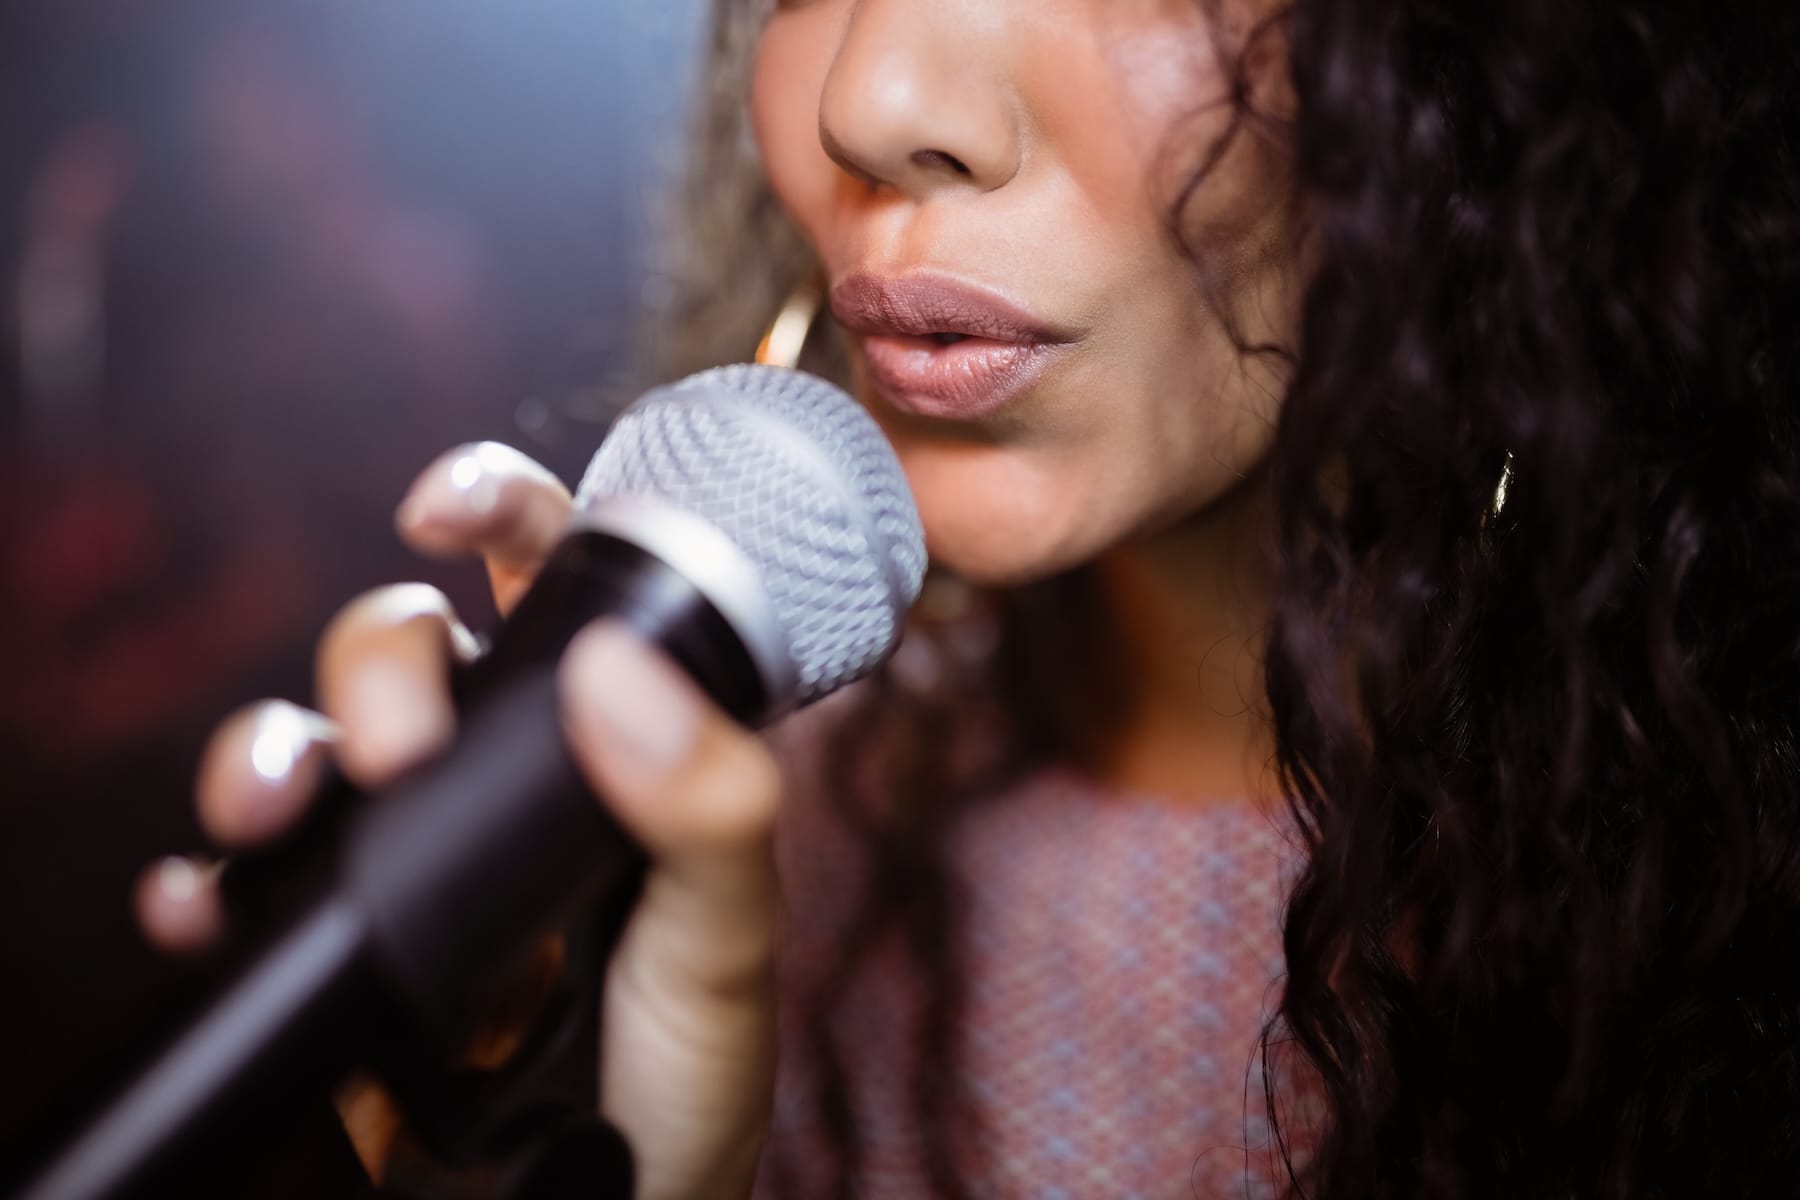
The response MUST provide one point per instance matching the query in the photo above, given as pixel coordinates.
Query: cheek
(792, 59)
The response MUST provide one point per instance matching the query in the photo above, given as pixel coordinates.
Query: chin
(980, 546)
(987, 572)
(994, 518)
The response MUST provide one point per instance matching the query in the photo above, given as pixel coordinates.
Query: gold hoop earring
(786, 338)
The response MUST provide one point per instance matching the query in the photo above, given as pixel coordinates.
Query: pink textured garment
(1124, 954)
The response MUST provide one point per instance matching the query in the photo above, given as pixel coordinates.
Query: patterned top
(1124, 954)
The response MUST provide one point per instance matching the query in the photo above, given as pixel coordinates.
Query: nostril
(938, 158)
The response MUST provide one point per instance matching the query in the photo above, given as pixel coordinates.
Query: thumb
(697, 790)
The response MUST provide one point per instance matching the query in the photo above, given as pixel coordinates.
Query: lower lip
(960, 381)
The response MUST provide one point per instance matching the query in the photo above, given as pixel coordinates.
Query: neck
(1191, 608)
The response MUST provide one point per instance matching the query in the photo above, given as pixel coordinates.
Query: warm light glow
(781, 346)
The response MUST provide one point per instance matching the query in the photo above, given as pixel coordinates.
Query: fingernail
(465, 643)
(177, 879)
(484, 496)
(469, 482)
(284, 734)
(648, 714)
(471, 476)
(177, 905)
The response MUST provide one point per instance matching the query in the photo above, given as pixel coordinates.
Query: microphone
(751, 521)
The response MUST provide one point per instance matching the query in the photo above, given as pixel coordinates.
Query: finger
(177, 904)
(260, 770)
(488, 499)
(383, 678)
(698, 791)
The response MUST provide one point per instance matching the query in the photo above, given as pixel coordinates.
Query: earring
(1506, 474)
(786, 338)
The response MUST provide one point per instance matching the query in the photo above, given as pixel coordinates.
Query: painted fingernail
(181, 879)
(470, 475)
(177, 880)
(466, 482)
(178, 906)
(284, 734)
(649, 717)
(465, 643)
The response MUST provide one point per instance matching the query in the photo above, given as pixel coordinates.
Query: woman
(1382, 406)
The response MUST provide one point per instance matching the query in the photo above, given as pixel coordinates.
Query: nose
(917, 100)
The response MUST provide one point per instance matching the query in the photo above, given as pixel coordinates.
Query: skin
(1061, 111)
(1075, 122)
(688, 1037)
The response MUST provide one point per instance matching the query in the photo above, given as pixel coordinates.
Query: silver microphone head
(776, 495)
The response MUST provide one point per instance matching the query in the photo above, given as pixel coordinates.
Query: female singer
(1350, 750)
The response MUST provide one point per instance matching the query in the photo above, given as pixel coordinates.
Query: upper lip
(922, 304)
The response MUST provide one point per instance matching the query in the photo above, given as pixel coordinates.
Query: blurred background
(261, 261)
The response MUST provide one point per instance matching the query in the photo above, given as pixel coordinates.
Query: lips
(940, 347)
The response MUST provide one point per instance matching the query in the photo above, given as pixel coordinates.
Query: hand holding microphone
(752, 522)
(689, 1004)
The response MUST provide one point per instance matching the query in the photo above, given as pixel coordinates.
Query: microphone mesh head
(800, 478)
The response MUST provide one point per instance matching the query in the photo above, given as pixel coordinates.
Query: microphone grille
(800, 478)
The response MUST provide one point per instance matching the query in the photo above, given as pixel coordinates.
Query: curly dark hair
(1543, 755)
(1546, 759)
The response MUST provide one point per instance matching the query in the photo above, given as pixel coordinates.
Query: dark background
(259, 263)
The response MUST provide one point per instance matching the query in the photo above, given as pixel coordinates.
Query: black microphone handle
(424, 894)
